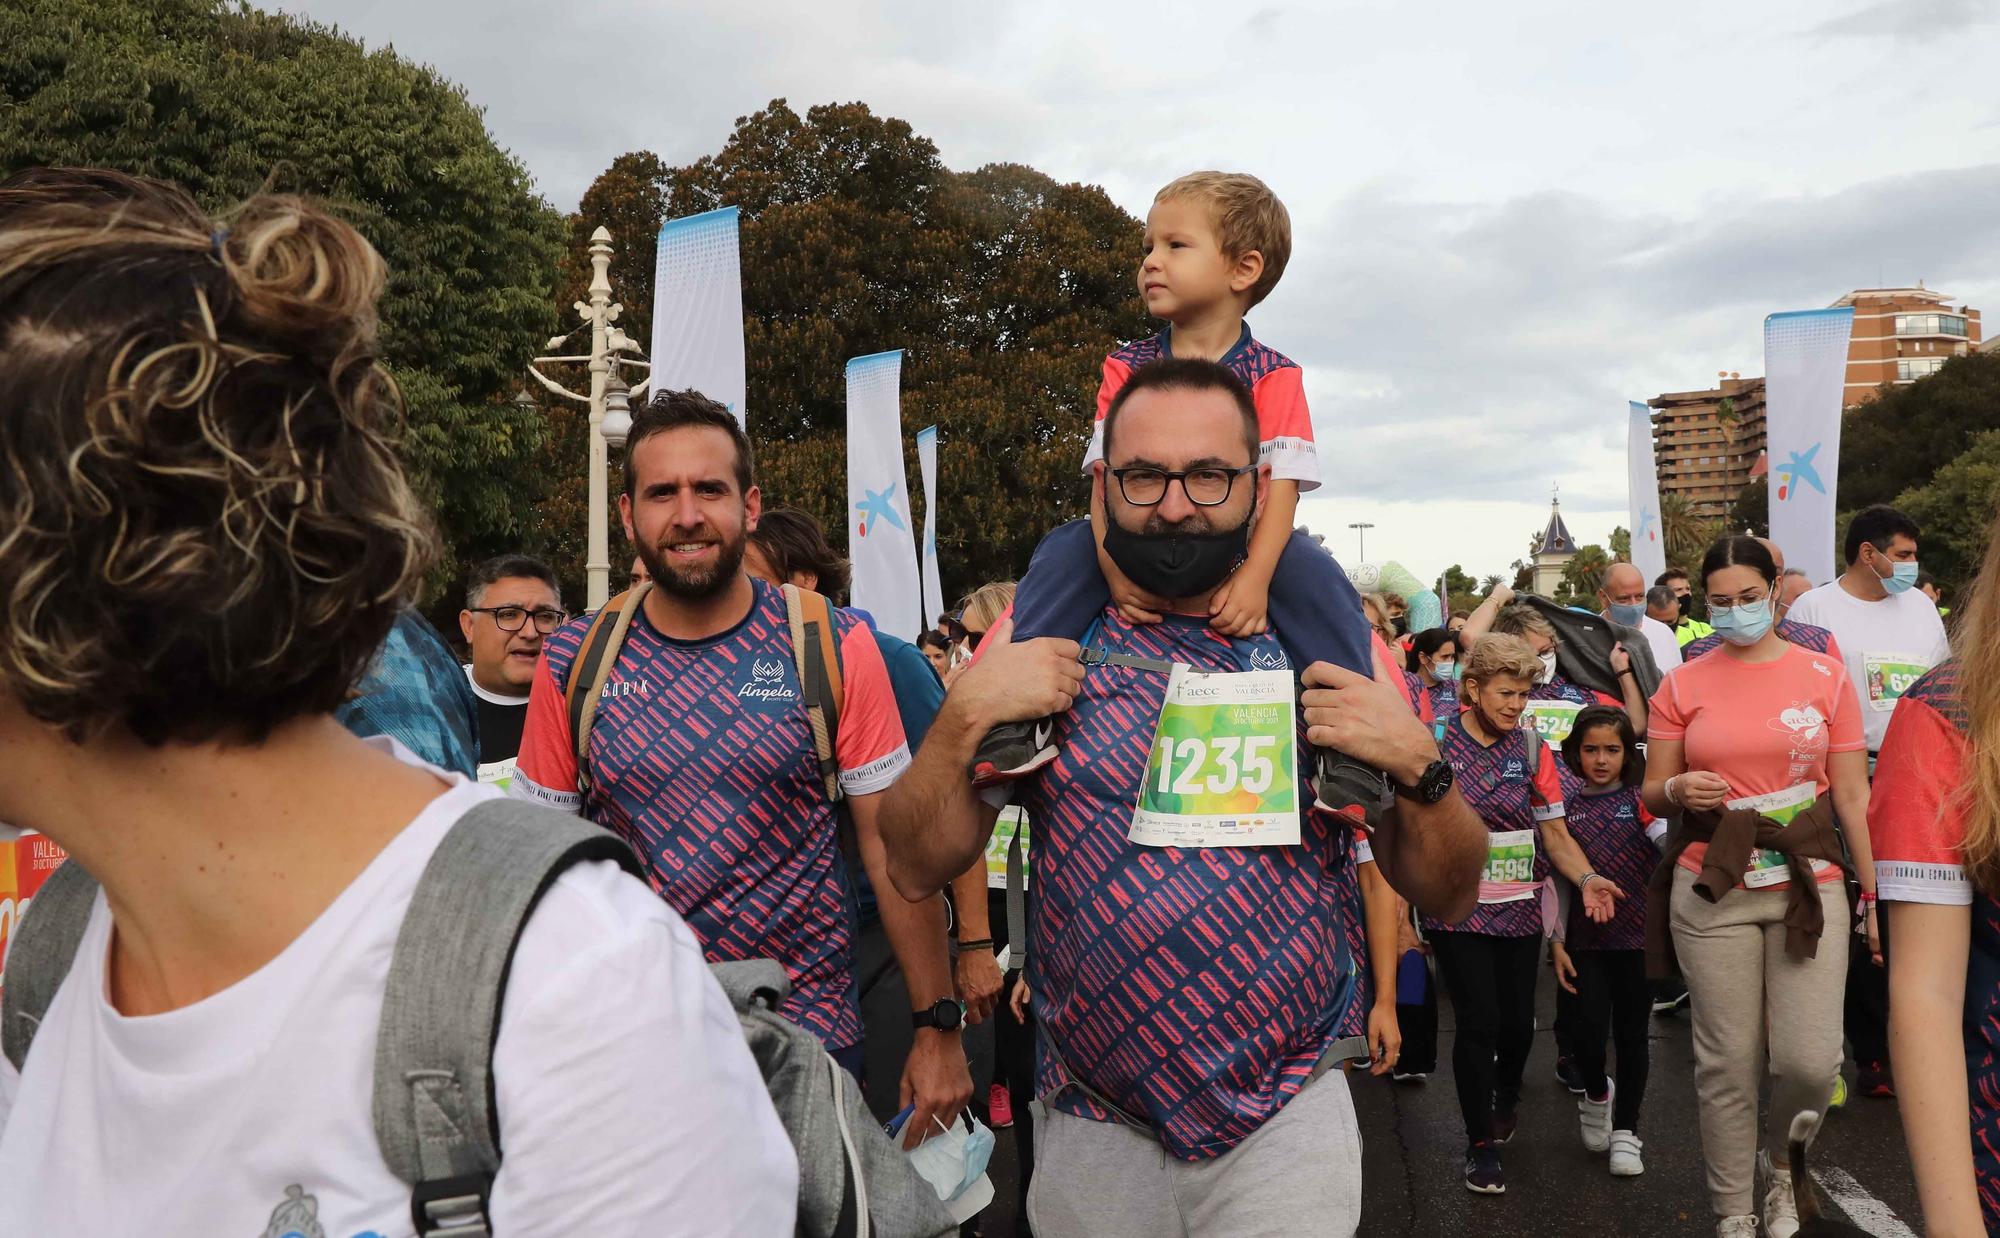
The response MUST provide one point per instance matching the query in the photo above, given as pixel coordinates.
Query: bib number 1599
(1217, 766)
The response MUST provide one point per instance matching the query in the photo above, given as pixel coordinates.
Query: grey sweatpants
(1298, 1175)
(1739, 977)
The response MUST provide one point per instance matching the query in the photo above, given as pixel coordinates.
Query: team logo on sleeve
(767, 680)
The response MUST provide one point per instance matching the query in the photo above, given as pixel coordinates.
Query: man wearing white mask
(1888, 633)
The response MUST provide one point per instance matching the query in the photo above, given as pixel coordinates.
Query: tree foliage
(1896, 441)
(1003, 287)
(227, 101)
(1955, 509)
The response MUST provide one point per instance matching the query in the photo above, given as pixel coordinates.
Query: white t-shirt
(628, 1101)
(1886, 645)
(1660, 639)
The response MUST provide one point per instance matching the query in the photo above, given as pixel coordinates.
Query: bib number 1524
(1217, 766)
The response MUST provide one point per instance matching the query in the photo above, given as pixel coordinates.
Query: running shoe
(1839, 1100)
(1872, 1079)
(1625, 1159)
(1568, 1075)
(1736, 1227)
(1505, 1123)
(1667, 1001)
(1413, 1076)
(999, 1107)
(1593, 1118)
(1344, 785)
(1013, 750)
(1781, 1211)
(1482, 1170)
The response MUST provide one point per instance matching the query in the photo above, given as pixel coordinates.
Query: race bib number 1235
(1224, 767)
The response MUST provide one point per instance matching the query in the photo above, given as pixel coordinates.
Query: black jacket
(1583, 649)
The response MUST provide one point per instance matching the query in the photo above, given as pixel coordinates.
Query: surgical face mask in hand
(954, 1162)
(1742, 624)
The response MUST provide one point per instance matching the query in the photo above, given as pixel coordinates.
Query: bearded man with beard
(1190, 997)
(701, 756)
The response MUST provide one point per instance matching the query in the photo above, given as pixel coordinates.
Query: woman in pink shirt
(1760, 724)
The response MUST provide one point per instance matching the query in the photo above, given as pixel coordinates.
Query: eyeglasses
(513, 618)
(1147, 487)
(1725, 604)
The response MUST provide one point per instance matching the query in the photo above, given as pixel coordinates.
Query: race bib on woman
(1510, 868)
(1224, 766)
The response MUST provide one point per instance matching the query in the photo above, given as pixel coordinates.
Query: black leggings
(1492, 985)
(1614, 1000)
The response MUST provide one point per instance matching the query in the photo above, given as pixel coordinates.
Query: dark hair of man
(1877, 526)
(1739, 551)
(1430, 640)
(792, 542)
(1661, 597)
(1588, 719)
(1669, 576)
(930, 638)
(676, 410)
(501, 567)
(1926, 579)
(1186, 374)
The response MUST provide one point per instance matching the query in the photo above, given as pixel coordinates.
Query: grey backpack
(435, 1116)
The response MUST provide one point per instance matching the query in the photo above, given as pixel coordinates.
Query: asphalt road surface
(1413, 1145)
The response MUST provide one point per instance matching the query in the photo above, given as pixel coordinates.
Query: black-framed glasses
(514, 618)
(1147, 487)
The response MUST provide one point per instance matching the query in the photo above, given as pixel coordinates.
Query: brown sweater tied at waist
(1732, 834)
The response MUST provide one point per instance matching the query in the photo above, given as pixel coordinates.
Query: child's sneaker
(1568, 1075)
(999, 1107)
(1344, 785)
(1625, 1161)
(1593, 1117)
(1013, 750)
(1482, 1170)
(1505, 1123)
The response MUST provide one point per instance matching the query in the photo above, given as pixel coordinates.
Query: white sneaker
(1594, 1118)
(1736, 1227)
(1625, 1162)
(1781, 1211)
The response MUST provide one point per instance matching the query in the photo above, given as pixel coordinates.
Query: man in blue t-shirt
(1187, 996)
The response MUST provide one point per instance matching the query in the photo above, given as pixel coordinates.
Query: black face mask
(1176, 565)
(1681, 600)
(1402, 625)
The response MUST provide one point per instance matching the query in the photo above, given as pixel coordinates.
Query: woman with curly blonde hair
(205, 533)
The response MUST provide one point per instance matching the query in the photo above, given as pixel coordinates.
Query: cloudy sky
(1508, 219)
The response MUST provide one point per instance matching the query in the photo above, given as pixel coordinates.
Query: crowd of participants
(216, 697)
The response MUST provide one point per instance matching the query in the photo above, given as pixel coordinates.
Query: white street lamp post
(610, 407)
(1361, 528)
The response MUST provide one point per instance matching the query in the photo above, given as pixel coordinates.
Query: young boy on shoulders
(1215, 245)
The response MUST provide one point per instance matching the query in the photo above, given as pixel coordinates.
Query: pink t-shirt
(1766, 727)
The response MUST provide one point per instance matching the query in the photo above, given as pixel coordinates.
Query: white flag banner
(927, 448)
(883, 550)
(698, 309)
(1805, 375)
(1642, 490)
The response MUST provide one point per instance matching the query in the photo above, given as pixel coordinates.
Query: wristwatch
(1431, 785)
(945, 1015)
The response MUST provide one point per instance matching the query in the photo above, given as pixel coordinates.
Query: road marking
(1861, 1208)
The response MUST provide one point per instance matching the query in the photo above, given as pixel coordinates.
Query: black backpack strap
(44, 947)
(435, 1116)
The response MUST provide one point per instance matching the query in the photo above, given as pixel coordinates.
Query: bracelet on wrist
(1584, 881)
(1668, 790)
(977, 943)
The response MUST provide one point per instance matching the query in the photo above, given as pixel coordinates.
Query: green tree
(1955, 509)
(1621, 544)
(1004, 287)
(227, 101)
(1686, 533)
(1580, 576)
(1896, 441)
(1751, 510)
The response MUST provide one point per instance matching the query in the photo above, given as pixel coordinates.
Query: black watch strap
(1431, 785)
(945, 1014)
